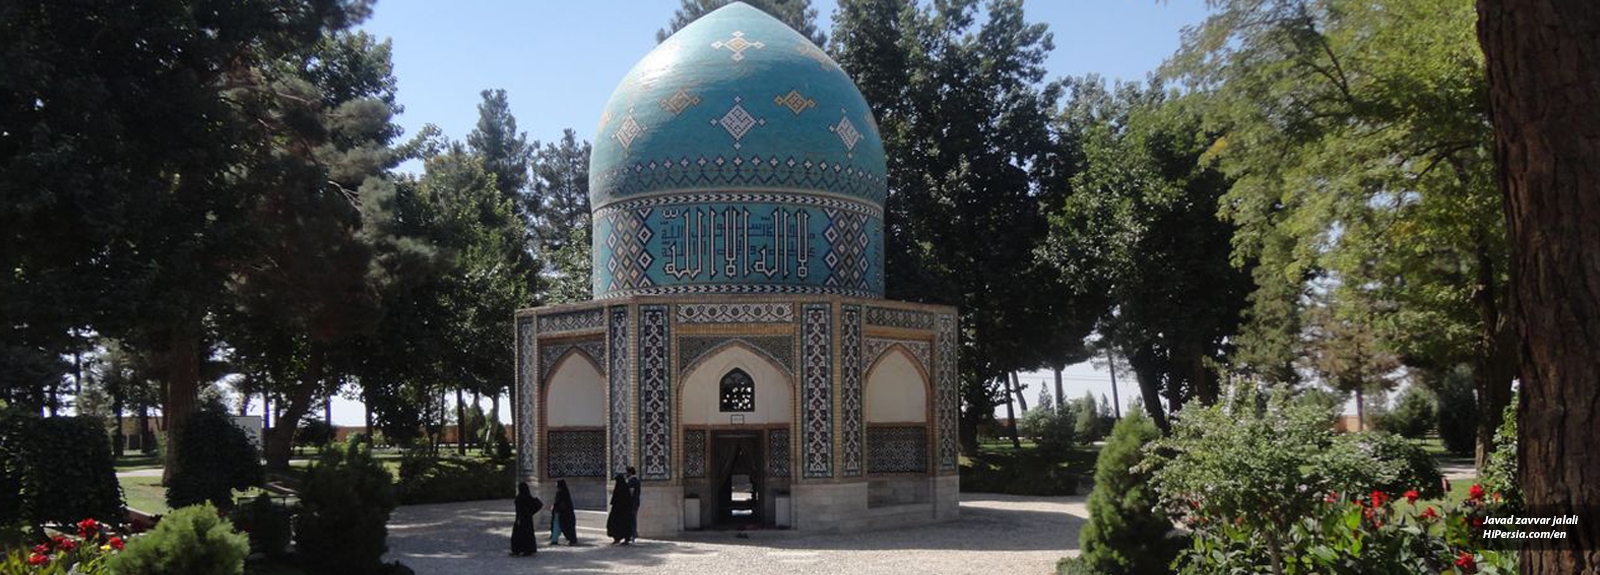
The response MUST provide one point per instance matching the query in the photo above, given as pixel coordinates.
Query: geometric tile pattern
(794, 101)
(875, 347)
(628, 246)
(617, 353)
(576, 453)
(778, 448)
(527, 432)
(594, 349)
(851, 420)
(848, 244)
(946, 392)
(737, 44)
(572, 321)
(898, 449)
(753, 312)
(817, 390)
(679, 101)
(669, 173)
(847, 132)
(655, 414)
(742, 198)
(694, 453)
(778, 348)
(738, 121)
(904, 318)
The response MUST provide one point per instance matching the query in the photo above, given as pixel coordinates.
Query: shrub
(1458, 410)
(345, 501)
(1500, 473)
(1412, 416)
(217, 458)
(56, 471)
(1086, 424)
(1050, 428)
(314, 433)
(425, 478)
(1125, 533)
(1022, 479)
(193, 540)
(269, 525)
(1384, 462)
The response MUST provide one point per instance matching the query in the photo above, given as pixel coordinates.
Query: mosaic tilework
(747, 312)
(778, 453)
(576, 453)
(875, 347)
(903, 318)
(741, 198)
(692, 348)
(897, 449)
(617, 354)
(817, 390)
(849, 257)
(655, 398)
(694, 453)
(627, 240)
(946, 392)
(549, 354)
(753, 171)
(850, 389)
(526, 393)
(572, 321)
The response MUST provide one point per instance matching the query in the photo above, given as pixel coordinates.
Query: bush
(1051, 429)
(314, 433)
(1125, 533)
(1500, 473)
(1458, 410)
(269, 525)
(1389, 463)
(217, 458)
(189, 541)
(56, 471)
(1086, 424)
(425, 478)
(1413, 414)
(981, 477)
(345, 501)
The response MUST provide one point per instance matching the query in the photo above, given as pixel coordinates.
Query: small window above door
(738, 392)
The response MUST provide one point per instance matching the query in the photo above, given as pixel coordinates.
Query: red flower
(1475, 492)
(1332, 496)
(64, 543)
(1467, 562)
(42, 548)
(1477, 522)
(1429, 513)
(115, 543)
(1378, 498)
(1412, 496)
(37, 559)
(88, 527)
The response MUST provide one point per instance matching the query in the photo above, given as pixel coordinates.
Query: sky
(559, 61)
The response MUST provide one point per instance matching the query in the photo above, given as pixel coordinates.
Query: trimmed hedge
(57, 471)
(425, 478)
(345, 503)
(217, 458)
(189, 541)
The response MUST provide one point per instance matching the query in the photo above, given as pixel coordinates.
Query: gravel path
(997, 534)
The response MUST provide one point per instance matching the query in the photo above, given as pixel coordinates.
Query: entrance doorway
(737, 468)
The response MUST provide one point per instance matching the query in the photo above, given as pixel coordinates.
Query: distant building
(738, 351)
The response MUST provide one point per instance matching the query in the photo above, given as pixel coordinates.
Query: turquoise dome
(737, 158)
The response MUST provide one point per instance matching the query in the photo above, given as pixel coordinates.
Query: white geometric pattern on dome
(737, 44)
(679, 101)
(738, 121)
(794, 101)
(628, 131)
(847, 132)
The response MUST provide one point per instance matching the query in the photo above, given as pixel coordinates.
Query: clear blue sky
(559, 61)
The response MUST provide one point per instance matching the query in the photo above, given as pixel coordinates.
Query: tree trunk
(280, 442)
(1361, 410)
(120, 446)
(1011, 414)
(1111, 362)
(183, 385)
(1543, 60)
(1150, 389)
(1495, 368)
(144, 429)
(1060, 399)
(461, 424)
(1016, 384)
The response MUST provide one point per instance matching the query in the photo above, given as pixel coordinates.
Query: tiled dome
(737, 158)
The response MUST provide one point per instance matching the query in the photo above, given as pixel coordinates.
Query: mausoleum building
(738, 350)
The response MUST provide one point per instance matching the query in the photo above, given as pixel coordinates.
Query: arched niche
(897, 389)
(700, 400)
(575, 395)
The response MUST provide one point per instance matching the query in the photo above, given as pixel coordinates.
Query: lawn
(146, 494)
(135, 460)
(1000, 467)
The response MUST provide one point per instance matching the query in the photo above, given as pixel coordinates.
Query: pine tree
(797, 14)
(1125, 535)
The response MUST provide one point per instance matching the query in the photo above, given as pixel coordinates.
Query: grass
(1000, 467)
(146, 494)
(134, 460)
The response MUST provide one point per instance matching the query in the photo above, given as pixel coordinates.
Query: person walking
(563, 518)
(524, 536)
(633, 489)
(619, 524)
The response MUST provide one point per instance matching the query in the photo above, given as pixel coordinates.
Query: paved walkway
(997, 534)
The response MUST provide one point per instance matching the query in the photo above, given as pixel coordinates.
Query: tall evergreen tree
(505, 151)
(798, 14)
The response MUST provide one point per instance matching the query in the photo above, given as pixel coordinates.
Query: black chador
(619, 524)
(524, 535)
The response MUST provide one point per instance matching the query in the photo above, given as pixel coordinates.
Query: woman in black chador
(524, 535)
(619, 524)
(563, 518)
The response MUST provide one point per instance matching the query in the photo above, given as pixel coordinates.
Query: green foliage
(345, 501)
(1126, 533)
(217, 459)
(1500, 475)
(268, 524)
(1385, 462)
(189, 541)
(1087, 424)
(425, 478)
(1051, 428)
(314, 432)
(56, 471)
(1413, 414)
(1458, 410)
(797, 14)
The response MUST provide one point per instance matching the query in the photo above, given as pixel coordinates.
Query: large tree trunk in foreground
(183, 387)
(1543, 61)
